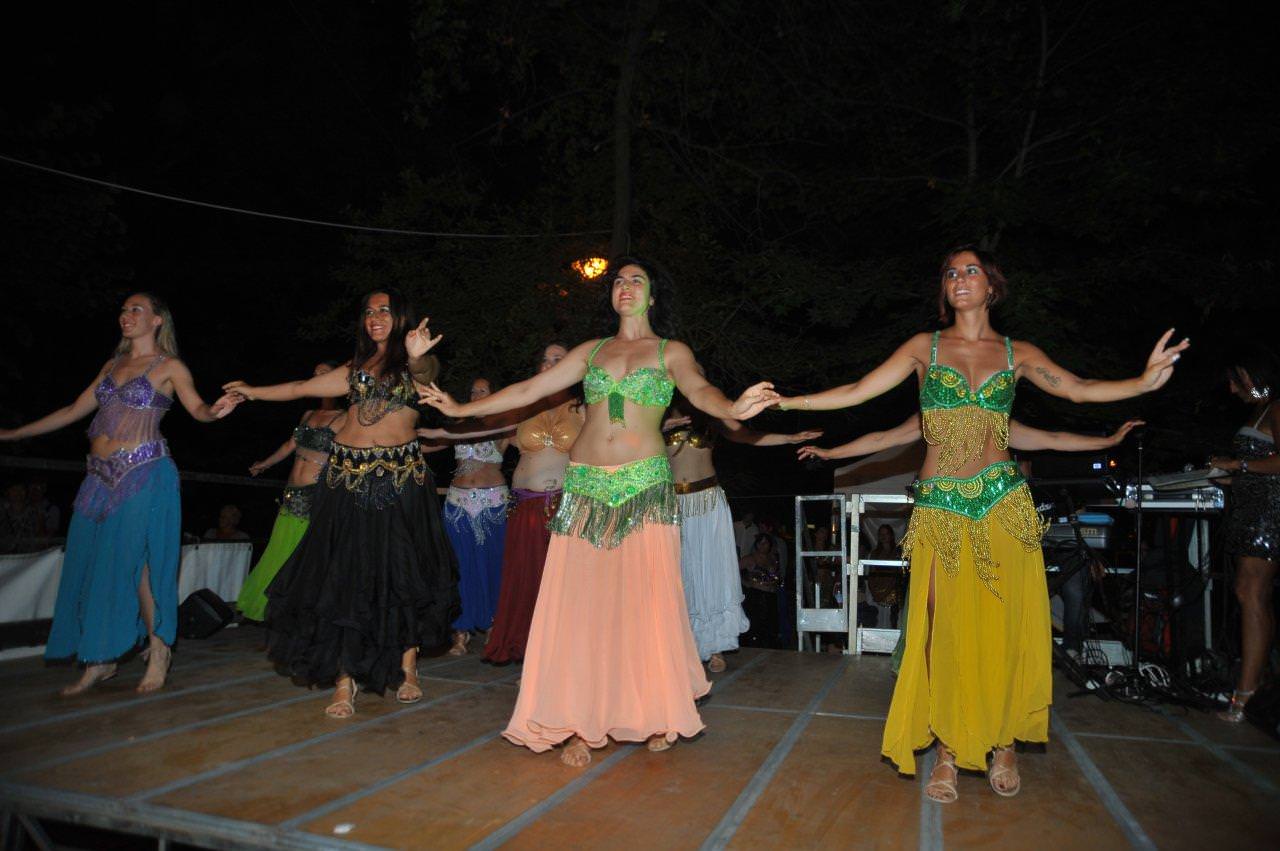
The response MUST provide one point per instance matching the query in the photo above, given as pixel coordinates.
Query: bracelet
(1244, 465)
(808, 404)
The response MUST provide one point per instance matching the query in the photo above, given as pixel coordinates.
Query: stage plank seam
(931, 831)
(1257, 778)
(512, 828)
(1101, 786)
(732, 820)
(284, 750)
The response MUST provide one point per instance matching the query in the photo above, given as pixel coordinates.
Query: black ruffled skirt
(373, 576)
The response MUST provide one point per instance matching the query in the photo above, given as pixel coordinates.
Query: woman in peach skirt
(610, 651)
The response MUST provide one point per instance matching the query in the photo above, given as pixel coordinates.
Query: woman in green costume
(309, 444)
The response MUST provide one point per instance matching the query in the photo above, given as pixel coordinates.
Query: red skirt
(523, 555)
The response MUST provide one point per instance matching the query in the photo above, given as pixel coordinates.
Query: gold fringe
(603, 526)
(961, 434)
(946, 532)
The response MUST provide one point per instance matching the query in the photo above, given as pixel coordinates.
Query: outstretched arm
(1036, 367)
(908, 431)
(738, 433)
(330, 384)
(285, 450)
(885, 377)
(184, 387)
(86, 403)
(562, 376)
(1032, 439)
(705, 396)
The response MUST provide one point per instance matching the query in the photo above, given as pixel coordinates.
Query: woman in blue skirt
(119, 583)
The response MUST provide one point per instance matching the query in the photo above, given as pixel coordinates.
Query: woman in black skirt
(374, 578)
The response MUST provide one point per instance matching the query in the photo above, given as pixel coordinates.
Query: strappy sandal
(716, 663)
(658, 743)
(575, 750)
(997, 772)
(345, 707)
(460, 641)
(409, 692)
(1234, 713)
(81, 686)
(940, 790)
(146, 688)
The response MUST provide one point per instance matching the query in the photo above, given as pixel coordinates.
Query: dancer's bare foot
(344, 699)
(942, 780)
(1003, 773)
(716, 663)
(658, 743)
(93, 675)
(158, 662)
(576, 754)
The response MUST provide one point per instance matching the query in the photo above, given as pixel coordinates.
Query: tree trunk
(636, 34)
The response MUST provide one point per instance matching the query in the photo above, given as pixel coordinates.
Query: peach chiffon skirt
(610, 651)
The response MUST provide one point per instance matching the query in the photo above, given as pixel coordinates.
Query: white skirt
(709, 568)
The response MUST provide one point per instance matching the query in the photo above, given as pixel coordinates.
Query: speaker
(202, 614)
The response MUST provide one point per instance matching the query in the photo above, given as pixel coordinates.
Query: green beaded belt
(603, 505)
(971, 497)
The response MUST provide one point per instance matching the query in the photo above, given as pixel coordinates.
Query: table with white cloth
(29, 581)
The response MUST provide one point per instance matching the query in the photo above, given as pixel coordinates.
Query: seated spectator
(17, 520)
(228, 528)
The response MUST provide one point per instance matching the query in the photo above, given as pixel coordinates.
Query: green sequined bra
(603, 505)
(648, 386)
(960, 420)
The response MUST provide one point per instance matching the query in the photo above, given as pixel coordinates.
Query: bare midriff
(395, 429)
(479, 476)
(542, 470)
(691, 464)
(605, 444)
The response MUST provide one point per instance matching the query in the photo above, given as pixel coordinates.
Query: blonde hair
(166, 334)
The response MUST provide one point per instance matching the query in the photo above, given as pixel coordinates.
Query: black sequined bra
(374, 397)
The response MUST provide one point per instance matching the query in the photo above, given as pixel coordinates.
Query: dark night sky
(301, 108)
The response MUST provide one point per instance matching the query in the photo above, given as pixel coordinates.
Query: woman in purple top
(119, 583)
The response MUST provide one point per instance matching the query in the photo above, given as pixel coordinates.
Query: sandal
(1234, 713)
(658, 743)
(409, 692)
(997, 773)
(941, 790)
(105, 672)
(716, 663)
(460, 641)
(576, 754)
(344, 707)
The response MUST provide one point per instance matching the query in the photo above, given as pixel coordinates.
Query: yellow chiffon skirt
(989, 681)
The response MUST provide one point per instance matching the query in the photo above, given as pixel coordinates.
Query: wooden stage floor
(231, 755)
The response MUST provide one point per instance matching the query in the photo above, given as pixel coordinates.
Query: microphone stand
(1137, 565)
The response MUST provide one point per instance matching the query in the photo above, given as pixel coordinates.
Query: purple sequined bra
(129, 413)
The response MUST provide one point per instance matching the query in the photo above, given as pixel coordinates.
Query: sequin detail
(959, 420)
(313, 438)
(949, 510)
(602, 505)
(485, 507)
(375, 397)
(375, 474)
(648, 386)
(110, 481)
(129, 412)
(296, 500)
(1253, 524)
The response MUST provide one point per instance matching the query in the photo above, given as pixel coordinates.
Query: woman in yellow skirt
(976, 673)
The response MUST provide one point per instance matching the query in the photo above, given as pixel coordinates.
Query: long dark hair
(1259, 364)
(661, 290)
(397, 356)
(999, 284)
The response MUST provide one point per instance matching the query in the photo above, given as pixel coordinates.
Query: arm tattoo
(1054, 380)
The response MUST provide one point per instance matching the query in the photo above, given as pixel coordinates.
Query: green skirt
(285, 535)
